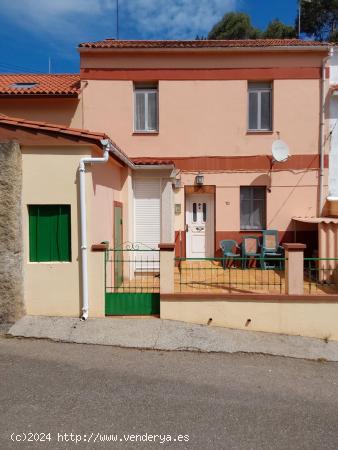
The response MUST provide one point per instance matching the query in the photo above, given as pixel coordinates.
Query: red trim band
(271, 73)
(259, 162)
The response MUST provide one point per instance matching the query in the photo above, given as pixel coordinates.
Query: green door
(118, 257)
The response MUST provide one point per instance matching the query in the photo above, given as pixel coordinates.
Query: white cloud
(78, 20)
(174, 18)
(63, 19)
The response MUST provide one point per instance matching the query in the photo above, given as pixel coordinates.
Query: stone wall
(11, 239)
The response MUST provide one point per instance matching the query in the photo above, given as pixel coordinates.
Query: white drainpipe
(106, 144)
(322, 135)
(108, 147)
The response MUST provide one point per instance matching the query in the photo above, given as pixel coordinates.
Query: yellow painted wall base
(311, 319)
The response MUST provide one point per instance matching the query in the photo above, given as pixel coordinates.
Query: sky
(32, 31)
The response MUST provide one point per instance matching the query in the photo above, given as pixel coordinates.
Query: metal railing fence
(321, 275)
(132, 270)
(222, 275)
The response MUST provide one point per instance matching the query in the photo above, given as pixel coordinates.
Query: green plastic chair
(250, 249)
(271, 248)
(227, 246)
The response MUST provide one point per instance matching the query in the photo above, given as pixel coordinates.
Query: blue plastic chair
(271, 248)
(227, 246)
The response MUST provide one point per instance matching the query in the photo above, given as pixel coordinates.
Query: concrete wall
(11, 243)
(50, 176)
(304, 318)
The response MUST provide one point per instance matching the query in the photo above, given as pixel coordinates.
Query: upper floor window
(260, 106)
(146, 108)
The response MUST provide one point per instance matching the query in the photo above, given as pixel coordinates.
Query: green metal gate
(132, 280)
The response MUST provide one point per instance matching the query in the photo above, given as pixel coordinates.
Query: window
(25, 85)
(146, 108)
(49, 233)
(253, 207)
(260, 106)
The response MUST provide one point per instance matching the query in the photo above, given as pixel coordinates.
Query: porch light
(199, 179)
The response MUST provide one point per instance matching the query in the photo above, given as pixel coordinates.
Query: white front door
(200, 226)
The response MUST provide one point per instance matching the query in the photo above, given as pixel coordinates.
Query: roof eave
(32, 95)
(319, 48)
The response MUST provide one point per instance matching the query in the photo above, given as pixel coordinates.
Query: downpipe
(106, 145)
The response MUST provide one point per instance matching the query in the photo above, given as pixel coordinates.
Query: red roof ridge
(211, 43)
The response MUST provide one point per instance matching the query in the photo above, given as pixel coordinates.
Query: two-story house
(212, 109)
(197, 121)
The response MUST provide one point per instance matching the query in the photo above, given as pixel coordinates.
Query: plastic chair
(271, 248)
(227, 246)
(250, 249)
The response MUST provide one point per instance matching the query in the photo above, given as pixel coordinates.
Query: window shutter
(49, 233)
(147, 195)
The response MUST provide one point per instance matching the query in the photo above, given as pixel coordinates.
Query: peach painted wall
(64, 111)
(107, 181)
(292, 194)
(198, 118)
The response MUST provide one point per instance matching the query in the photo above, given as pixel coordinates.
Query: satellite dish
(280, 151)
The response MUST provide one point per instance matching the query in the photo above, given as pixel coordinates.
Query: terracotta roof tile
(146, 161)
(49, 127)
(249, 43)
(44, 126)
(48, 84)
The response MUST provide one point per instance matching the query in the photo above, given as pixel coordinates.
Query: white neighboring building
(333, 157)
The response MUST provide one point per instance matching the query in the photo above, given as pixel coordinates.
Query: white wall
(334, 67)
(333, 123)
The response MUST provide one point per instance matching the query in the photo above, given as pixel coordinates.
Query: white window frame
(259, 92)
(146, 91)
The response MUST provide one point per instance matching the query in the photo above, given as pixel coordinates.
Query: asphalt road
(213, 401)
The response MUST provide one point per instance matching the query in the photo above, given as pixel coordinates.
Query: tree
(279, 30)
(234, 26)
(319, 18)
(334, 36)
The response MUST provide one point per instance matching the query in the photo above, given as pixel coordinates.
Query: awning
(316, 219)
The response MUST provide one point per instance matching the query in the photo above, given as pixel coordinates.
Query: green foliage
(334, 36)
(234, 26)
(279, 30)
(319, 18)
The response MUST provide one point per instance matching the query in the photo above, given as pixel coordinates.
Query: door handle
(186, 227)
